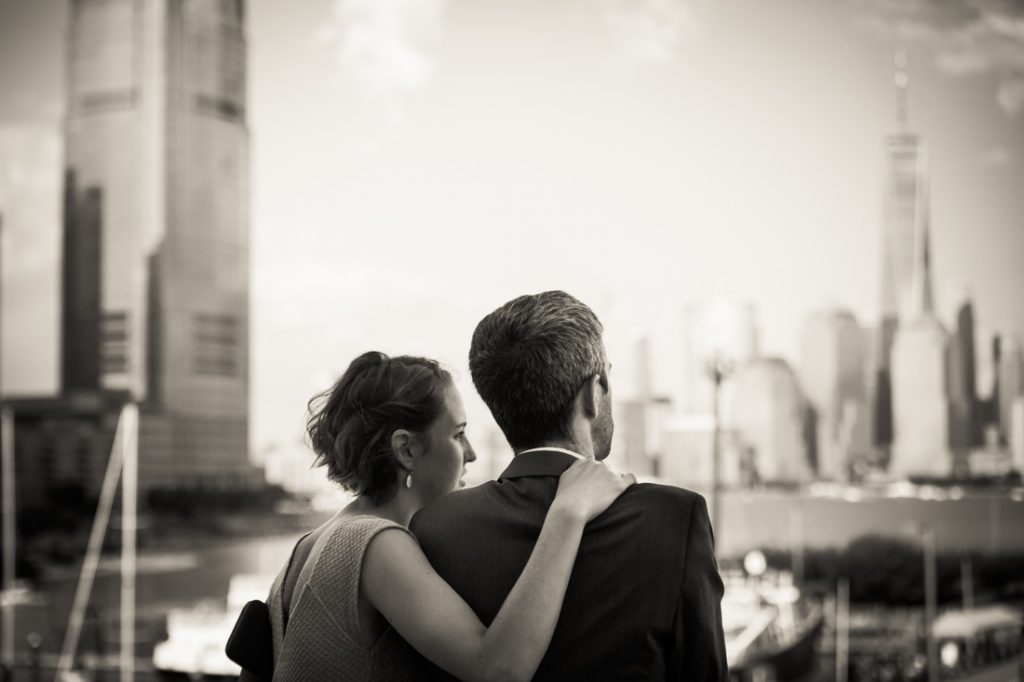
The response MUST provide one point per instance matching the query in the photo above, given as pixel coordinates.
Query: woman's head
(383, 420)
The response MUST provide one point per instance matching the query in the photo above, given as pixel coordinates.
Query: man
(643, 602)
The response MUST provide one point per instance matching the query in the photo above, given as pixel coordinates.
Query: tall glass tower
(902, 205)
(156, 227)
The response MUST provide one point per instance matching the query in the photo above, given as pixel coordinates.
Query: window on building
(221, 107)
(106, 100)
(216, 339)
(114, 342)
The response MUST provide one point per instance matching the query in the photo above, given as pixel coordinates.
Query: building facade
(770, 418)
(1010, 383)
(920, 384)
(156, 228)
(965, 418)
(831, 371)
(1017, 434)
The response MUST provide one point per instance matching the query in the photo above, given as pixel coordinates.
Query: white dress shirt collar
(568, 452)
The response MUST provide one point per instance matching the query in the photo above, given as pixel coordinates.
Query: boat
(770, 628)
(196, 636)
(981, 644)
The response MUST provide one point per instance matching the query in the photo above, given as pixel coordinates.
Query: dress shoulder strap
(335, 566)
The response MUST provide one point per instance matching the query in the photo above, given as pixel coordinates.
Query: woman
(392, 430)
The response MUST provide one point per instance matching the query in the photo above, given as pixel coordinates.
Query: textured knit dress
(323, 639)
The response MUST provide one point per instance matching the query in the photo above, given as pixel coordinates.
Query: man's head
(539, 364)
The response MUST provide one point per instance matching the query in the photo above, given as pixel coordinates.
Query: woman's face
(439, 469)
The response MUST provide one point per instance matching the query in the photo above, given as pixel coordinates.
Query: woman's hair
(350, 425)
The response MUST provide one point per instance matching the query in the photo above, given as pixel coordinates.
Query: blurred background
(800, 222)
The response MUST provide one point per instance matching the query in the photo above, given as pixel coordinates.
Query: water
(983, 522)
(166, 579)
(198, 577)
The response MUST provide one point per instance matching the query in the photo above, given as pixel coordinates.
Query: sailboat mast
(95, 546)
(129, 497)
(7, 452)
(8, 502)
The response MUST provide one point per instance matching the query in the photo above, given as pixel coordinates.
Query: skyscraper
(642, 419)
(1017, 434)
(831, 372)
(156, 229)
(965, 420)
(1011, 383)
(905, 172)
(921, 406)
(770, 416)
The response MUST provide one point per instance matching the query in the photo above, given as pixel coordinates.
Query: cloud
(994, 157)
(973, 38)
(961, 63)
(649, 31)
(385, 46)
(1011, 95)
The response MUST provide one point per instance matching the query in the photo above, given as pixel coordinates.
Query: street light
(755, 563)
(718, 368)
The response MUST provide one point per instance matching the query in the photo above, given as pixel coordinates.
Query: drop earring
(408, 480)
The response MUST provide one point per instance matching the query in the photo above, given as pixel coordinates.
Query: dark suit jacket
(643, 601)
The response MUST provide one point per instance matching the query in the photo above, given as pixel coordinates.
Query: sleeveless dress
(323, 639)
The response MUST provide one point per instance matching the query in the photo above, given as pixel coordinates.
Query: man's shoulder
(647, 494)
(652, 506)
(660, 495)
(454, 504)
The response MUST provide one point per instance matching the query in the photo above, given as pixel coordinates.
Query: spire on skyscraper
(901, 79)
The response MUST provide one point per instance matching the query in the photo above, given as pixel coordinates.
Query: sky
(416, 163)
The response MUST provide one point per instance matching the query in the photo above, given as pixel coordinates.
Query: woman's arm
(399, 582)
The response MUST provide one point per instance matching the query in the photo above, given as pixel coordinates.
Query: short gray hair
(528, 360)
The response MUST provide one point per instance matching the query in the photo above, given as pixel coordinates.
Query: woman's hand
(589, 487)
(399, 582)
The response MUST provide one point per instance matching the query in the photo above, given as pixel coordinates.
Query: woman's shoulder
(360, 529)
(336, 566)
(348, 538)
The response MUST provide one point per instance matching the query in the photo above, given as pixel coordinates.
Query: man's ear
(590, 396)
(401, 448)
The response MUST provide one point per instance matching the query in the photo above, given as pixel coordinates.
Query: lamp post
(718, 368)
(927, 535)
(930, 600)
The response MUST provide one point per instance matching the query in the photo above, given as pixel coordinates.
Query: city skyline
(726, 178)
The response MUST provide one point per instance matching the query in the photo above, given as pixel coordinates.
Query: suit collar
(538, 463)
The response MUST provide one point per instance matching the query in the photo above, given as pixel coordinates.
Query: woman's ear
(401, 447)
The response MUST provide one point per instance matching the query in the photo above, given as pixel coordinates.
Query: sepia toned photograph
(511, 340)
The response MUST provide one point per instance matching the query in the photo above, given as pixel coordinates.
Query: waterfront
(986, 521)
(167, 579)
(179, 576)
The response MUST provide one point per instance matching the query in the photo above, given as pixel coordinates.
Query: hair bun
(350, 425)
